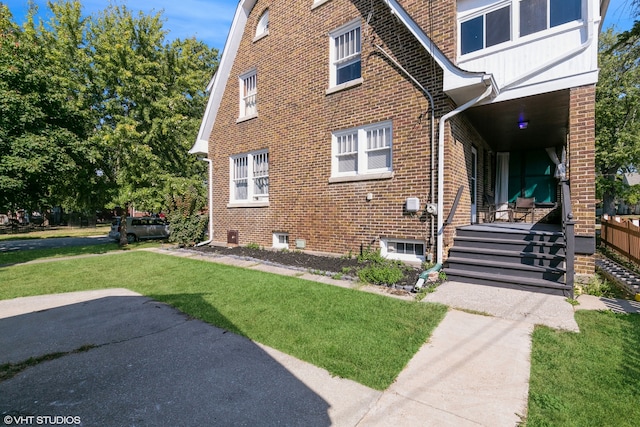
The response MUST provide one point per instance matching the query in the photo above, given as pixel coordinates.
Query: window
(363, 150)
(250, 177)
(262, 29)
(281, 240)
(345, 54)
(486, 30)
(248, 94)
(404, 250)
(538, 15)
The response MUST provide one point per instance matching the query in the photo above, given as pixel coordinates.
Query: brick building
(337, 125)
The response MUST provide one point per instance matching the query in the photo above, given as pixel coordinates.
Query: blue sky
(209, 20)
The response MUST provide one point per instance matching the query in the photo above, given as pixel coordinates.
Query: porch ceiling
(547, 116)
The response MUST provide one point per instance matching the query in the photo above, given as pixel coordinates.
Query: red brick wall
(296, 118)
(581, 160)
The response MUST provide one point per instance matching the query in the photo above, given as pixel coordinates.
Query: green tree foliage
(617, 115)
(98, 110)
(44, 123)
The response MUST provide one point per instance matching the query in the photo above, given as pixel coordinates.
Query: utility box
(412, 204)
(232, 237)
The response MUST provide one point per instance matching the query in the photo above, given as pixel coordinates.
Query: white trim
(361, 150)
(262, 28)
(245, 164)
(392, 254)
(248, 205)
(318, 3)
(248, 96)
(275, 241)
(221, 77)
(334, 63)
(365, 177)
(344, 86)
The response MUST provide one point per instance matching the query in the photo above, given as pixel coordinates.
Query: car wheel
(131, 238)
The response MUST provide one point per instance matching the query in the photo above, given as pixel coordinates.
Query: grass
(586, 379)
(59, 232)
(22, 256)
(366, 337)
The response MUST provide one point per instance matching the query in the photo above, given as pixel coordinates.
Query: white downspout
(443, 119)
(210, 197)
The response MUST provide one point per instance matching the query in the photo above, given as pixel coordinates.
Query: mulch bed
(307, 262)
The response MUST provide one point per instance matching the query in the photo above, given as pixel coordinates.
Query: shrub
(187, 224)
(381, 274)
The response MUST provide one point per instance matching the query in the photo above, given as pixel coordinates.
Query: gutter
(210, 197)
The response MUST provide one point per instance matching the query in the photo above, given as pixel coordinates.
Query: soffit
(547, 116)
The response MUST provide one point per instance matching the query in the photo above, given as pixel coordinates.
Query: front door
(474, 185)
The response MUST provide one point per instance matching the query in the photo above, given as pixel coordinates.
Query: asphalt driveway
(53, 243)
(143, 363)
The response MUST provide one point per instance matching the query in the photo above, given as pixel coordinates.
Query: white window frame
(361, 149)
(515, 28)
(548, 17)
(484, 14)
(388, 250)
(248, 90)
(277, 241)
(262, 29)
(337, 61)
(252, 168)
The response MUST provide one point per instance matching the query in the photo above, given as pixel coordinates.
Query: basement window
(403, 250)
(281, 240)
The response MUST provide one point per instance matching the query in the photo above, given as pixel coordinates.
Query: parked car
(140, 228)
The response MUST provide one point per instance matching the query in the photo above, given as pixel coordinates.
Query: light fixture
(523, 124)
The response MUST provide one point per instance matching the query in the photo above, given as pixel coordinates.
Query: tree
(152, 101)
(43, 120)
(98, 110)
(617, 115)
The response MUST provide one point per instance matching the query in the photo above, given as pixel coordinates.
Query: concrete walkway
(151, 364)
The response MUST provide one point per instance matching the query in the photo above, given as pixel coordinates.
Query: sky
(206, 20)
(210, 20)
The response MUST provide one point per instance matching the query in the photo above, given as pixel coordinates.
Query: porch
(530, 256)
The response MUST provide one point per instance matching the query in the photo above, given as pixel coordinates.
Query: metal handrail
(452, 213)
(568, 229)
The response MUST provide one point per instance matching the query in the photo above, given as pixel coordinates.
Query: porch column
(581, 162)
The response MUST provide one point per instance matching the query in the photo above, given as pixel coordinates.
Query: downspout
(443, 119)
(432, 120)
(425, 274)
(210, 197)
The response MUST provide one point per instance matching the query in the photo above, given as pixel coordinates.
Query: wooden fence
(623, 236)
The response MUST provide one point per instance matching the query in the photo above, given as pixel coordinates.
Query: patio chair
(492, 210)
(523, 207)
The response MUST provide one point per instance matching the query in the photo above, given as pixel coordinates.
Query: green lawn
(587, 379)
(365, 337)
